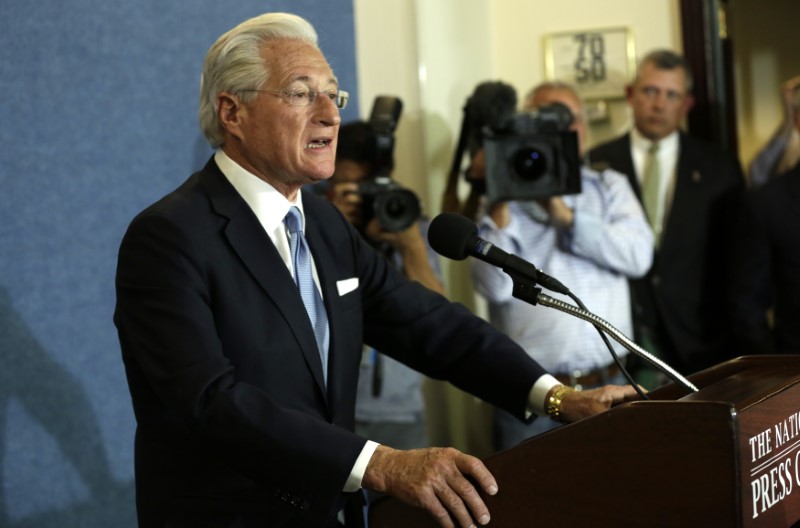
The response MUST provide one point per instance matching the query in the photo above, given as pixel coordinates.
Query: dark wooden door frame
(708, 48)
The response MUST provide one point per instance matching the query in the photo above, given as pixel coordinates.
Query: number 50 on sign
(598, 62)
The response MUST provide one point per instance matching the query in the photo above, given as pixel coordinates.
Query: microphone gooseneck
(456, 237)
(619, 337)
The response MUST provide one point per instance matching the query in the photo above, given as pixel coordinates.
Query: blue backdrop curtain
(99, 106)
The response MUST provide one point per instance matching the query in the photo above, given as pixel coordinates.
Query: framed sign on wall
(598, 62)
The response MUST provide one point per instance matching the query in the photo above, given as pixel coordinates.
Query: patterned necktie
(303, 276)
(652, 184)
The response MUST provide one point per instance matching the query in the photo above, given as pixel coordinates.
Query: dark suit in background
(234, 422)
(680, 303)
(767, 268)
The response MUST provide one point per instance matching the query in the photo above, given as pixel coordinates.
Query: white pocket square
(347, 285)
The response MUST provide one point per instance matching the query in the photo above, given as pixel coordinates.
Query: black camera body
(395, 207)
(532, 155)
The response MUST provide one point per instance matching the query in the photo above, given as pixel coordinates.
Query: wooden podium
(726, 456)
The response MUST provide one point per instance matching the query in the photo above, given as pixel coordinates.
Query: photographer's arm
(477, 176)
(450, 200)
(500, 214)
(413, 252)
(452, 204)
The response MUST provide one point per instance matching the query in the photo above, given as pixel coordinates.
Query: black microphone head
(450, 234)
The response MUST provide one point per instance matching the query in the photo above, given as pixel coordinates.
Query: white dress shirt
(609, 242)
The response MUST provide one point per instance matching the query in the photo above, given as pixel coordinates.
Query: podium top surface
(743, 382)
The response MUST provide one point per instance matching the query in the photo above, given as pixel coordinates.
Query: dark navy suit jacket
(235, 426)
(767, 268)
(684, 296)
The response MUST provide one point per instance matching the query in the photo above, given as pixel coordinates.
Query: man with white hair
(243, 304)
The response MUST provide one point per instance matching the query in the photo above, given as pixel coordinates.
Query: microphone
(454, 236)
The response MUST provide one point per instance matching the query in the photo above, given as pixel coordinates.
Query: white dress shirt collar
(667, 148)
(269, 205)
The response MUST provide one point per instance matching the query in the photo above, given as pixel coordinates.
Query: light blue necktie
(301, 261)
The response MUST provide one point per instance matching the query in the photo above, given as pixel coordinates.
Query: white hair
(234, 64)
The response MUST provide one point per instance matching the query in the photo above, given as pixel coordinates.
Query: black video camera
(532, 155)
(395, 207)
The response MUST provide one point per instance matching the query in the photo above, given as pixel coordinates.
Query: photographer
(389, 404)
(490, 105)
(592, 242)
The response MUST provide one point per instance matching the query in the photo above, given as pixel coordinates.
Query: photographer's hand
(561, 216)
(413, 252)
(346, 198)
(499, 214)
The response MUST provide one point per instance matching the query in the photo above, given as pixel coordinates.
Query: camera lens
(529, 163)
(397, 209)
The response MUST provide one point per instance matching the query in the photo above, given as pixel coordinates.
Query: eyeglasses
(303, 99)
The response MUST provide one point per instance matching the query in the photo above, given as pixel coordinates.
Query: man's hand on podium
(576, 405)
(435, 479)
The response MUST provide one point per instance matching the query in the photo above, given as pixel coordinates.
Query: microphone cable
(614, 355)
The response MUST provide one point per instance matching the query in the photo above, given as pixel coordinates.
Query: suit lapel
(626, 165)
(259, 255)
(617, 155)
(683, 194)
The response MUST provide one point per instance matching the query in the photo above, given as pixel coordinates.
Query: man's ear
(688, 103)
(230, 111)
(629, 91)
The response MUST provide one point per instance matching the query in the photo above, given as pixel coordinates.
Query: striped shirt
(609, 242)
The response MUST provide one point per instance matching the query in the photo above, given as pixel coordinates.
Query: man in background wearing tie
(690, 189)
(243, 304)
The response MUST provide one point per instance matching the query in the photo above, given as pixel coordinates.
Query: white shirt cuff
(536, 403)
(360, 467)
